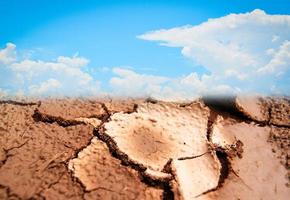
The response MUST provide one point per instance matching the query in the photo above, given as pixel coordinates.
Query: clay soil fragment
(254, 107)
(280, 138)
(280, 111)
(33, 154)
(156, 133)
(258, 174)
(101, 174)
(196, 176)
(136, 149)
(270, 110)
(122, 105)
(70, 109)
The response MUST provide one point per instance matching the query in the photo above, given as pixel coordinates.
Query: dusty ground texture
(235, 148)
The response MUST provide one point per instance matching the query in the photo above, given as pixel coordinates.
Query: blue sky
(107, 33)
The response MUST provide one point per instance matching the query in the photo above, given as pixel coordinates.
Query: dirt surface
(145, 149)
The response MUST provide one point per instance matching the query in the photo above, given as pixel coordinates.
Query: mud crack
(41, 117)
(192, 157)
(19, 103)
(256, 109)
(8, 193)
(7, 155)
(224, 171)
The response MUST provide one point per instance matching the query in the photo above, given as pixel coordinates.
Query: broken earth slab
(36, 152)
(258, 174)
(157, 175)
(223, 141)
(101, 173)
(280, 111)
(280, 138)
(276, 110)
(69, 109)
(156, 133)
(195, 176)
(218, 137)
(254, 107)
(122, 105)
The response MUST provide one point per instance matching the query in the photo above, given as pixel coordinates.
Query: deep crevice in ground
(211, 120)
(41, 117)
(7, 155)
(192, 157)
(227, 108)
(224, 171)
(9, 192)
(19, 103)
(223, 155)
(225, 167)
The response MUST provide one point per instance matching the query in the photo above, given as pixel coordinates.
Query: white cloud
(45, 87)
(280, 61)
(3, 93)
(247, 52)
(8, 54)
(65, 76)
(75, 61)
(235, 48)
(130, 83)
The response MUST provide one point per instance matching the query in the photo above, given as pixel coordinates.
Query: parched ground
(211, 148)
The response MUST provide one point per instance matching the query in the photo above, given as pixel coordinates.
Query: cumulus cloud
(243, 53)
(65, 76)
(280, 61)
(238, 49)
(129, 83)
(8, 54)
(3, 93)
(45, 87)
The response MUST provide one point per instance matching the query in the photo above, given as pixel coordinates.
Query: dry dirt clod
(267, 110)
(254, 107)
(158, 132)
(20, 103)
(280, 111)
(280, 138)
(100, 172)
(131, 149)
(122, 105)
(69, 109)
(258, 174)
(37, 151)
(196, 176)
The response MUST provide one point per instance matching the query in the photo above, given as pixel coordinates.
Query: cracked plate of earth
(211, 148)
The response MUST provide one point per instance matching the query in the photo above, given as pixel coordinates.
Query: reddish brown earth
(145, 149)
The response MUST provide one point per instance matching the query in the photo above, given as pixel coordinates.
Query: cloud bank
(63, 77)
(248, 52)
(244, 53)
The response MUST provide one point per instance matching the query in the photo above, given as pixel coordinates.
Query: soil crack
(6, 152)
(19, 103)
(41, 117)
(192, 157)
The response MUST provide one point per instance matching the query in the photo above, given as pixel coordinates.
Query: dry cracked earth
(234, 148)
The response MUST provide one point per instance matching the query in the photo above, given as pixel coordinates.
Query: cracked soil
(234, 148)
